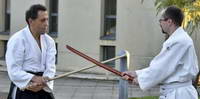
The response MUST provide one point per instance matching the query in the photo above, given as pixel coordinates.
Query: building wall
(79, 26)
(196, 39)
(138, 32)
(18, 9)
(2, 11)
(1, 49)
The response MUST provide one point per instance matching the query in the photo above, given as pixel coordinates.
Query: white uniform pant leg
(185, 92)
(188, 92)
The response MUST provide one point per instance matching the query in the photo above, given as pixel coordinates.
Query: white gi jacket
(175, 65)
(23, 54)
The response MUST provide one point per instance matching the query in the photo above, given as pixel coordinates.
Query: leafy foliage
(191, 9)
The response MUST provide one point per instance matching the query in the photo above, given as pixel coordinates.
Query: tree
(191, 9)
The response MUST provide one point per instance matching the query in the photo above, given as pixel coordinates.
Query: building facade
(99, 28)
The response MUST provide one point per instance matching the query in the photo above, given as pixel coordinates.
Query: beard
(164, 32)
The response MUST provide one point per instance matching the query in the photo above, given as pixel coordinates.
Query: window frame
(53, 18)
(104, 54)
(109, 14)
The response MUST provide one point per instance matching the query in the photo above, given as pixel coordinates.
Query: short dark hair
(174, 13)
(32, 12)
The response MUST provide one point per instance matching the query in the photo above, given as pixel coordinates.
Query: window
(108, 52)
(5, 17)
(109, 28)
(53, 17)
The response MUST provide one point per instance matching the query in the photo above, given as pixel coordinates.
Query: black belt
(12, 85)
(35, 73)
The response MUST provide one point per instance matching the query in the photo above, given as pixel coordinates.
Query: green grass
(148, 97)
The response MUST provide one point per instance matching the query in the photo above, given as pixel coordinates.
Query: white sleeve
(50, 63)
(162, 66)
(14, 60)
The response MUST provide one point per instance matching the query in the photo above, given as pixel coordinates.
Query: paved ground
(78, 88)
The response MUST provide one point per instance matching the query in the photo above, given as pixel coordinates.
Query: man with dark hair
(175, 66)
(30, 58)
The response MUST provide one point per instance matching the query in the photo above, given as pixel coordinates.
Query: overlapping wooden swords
(85, 68)
(97, 63)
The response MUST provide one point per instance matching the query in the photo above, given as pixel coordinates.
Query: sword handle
(130, 78)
